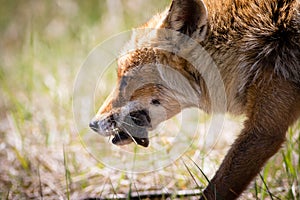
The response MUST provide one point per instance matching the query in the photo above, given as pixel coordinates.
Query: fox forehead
(134, 59)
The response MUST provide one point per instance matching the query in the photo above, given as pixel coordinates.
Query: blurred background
(42, 46)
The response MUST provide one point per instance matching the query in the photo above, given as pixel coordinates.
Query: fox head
(152, 85)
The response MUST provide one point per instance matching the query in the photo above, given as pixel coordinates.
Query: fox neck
(183, 79)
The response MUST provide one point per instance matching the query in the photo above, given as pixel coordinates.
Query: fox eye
(155, 102)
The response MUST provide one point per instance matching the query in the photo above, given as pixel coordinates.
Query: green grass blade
(67, 173)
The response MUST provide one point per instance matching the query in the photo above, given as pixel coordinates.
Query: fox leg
(271, 108)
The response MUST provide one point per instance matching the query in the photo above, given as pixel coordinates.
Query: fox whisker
(129, 134)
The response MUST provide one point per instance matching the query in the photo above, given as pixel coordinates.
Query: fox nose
(94, 125)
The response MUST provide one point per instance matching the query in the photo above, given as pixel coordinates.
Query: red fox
(255, 45)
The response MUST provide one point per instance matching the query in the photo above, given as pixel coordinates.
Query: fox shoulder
(268, 37)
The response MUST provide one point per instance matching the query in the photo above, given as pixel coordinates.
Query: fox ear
(187, 17)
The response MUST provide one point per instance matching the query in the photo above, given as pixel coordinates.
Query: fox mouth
(133, 128)
(123, 138)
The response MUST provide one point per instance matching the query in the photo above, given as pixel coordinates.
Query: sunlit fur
(256, 47)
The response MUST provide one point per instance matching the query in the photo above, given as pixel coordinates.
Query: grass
(43, 44)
